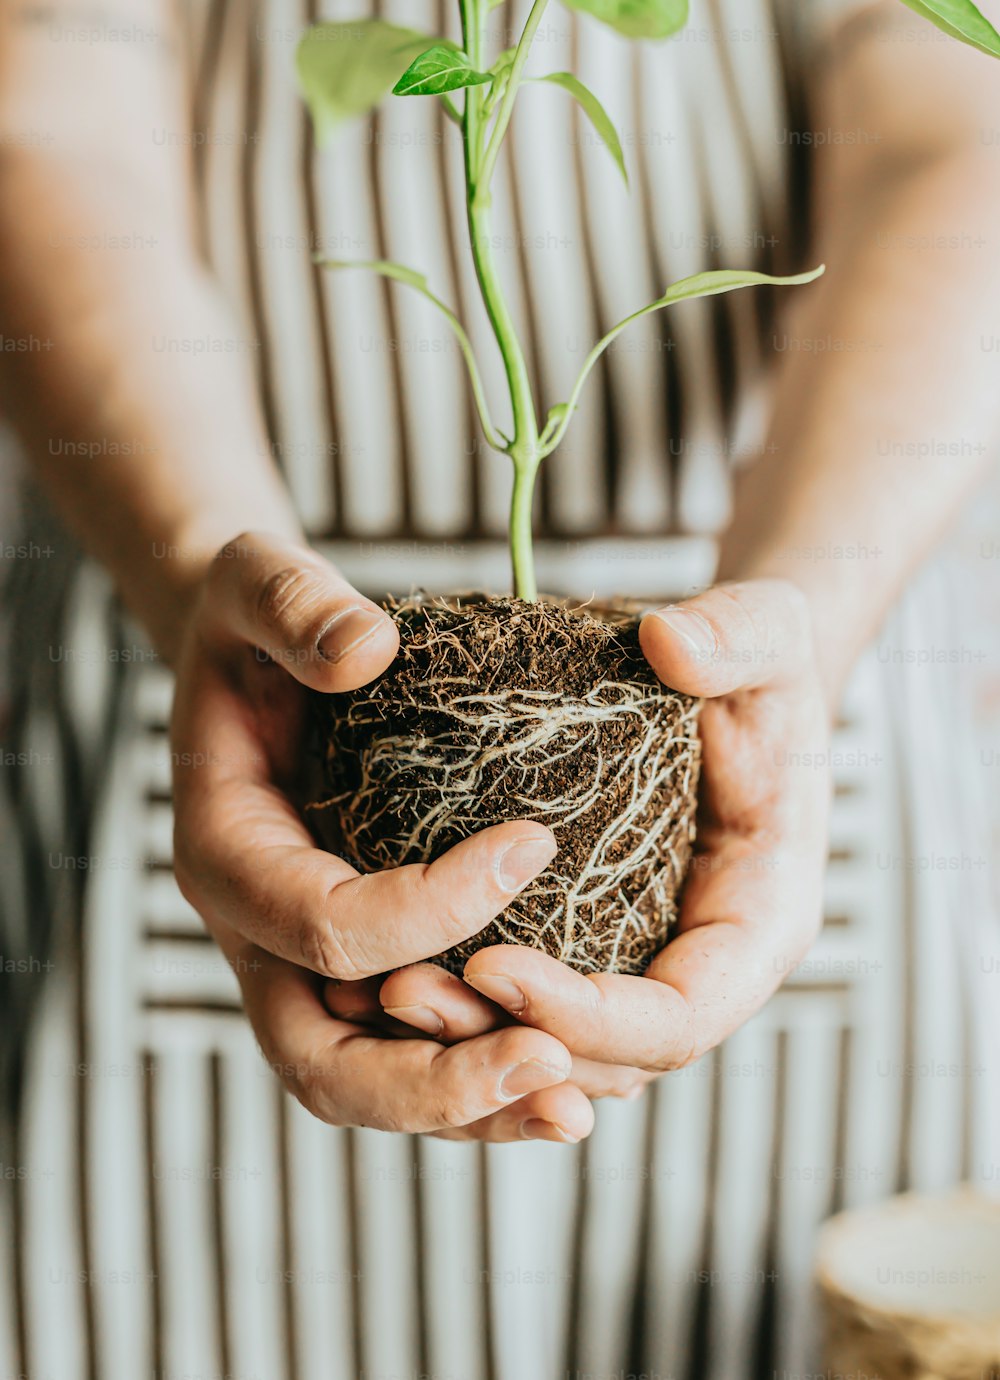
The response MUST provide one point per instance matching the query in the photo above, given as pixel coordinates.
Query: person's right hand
(272, 618)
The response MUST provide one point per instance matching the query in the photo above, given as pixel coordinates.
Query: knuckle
(324, 952)
(446, 1103)
(674, 1061)
(395, 1123)
(313, 1080)
(286, 599)
(307, 1085)
(680, 1053)
(450, 1113)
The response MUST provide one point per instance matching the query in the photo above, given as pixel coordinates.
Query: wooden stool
(910, 1289)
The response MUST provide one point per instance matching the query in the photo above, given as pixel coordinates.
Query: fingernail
(537, 1129)
(696, 632)
(347, 631)
(520, 862)
(422, 1017)
(529, 1076)
(499, 989)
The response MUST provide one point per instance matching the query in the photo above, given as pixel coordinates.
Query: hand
(273, 618)
(752, 902)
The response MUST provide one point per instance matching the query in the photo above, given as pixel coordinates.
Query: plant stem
(509, 96)
(523, 449)
(522, 553)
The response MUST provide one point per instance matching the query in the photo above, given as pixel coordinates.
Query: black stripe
(701, 1320)
(970, 1057)
(754, 310)
(841, 854)
(482, 454)
(793, 986)
(201, 105)
(217, 1209)
(83, 1143)
(206, 1007)
(840, 1141)
(286, 1187)
(908, 967)
(405, 455)
(724, 355)
(639, 1324)
(157, 1367)
(721, 361)
(574, 1311)
(18, 1246)
(795, 76)
(152, 934)
(600, 380)
(673, 391)
(491, 1359)
(420, 1254)
(248, 193)
(323, 332)
(532, 331)
(354, 1247)
(768, 1322)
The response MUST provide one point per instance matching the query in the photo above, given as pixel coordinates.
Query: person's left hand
(752, 901)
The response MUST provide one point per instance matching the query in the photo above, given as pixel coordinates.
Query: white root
(632, 742)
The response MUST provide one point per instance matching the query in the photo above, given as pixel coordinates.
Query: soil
(498, 709)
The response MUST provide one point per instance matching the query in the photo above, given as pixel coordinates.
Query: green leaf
(637, 18)
(385, 267)
(345, 69)
(596, 113)
(557, 419)
(961, 20)
(725, 280)
(441, 68)
(504, 62)
(399, 273)
(698, 285)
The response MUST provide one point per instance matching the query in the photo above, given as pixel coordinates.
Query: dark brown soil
(500, 709)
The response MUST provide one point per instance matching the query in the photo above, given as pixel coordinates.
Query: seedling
(500, 706)
(345, 69)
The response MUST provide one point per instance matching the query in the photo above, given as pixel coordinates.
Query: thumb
(733, 637)
(288, 601)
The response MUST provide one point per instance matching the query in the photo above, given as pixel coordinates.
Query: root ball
(498, 709)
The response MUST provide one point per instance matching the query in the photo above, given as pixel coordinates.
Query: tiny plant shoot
(345, 69)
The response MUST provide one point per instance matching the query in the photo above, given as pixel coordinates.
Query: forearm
(153, 452)
(878, 439)
(886, 411)
(128, 379)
